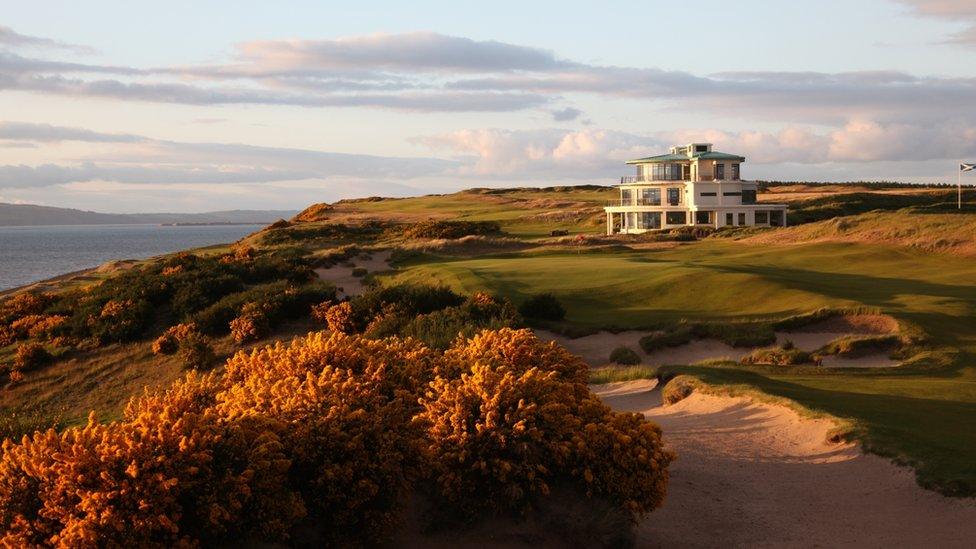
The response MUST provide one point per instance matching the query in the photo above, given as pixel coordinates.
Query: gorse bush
(625, 356)
(434, 315)
(542, 307)
(328, 436)
(451, 229)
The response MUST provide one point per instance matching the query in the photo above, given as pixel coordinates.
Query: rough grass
(609, 374)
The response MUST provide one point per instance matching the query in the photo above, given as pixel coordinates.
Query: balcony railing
(640, 202)
(627, 179)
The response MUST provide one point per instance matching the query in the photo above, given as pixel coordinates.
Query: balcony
(628, 179)
(640, 202)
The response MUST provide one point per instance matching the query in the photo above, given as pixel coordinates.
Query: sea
(31, 254)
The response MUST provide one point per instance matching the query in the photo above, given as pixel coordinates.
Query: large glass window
(650, 220)
(719, 171)
(676, 218)
(650, 197)
(626, 197)
(703, 218)
(674, 196)
(749, 196)
(742, 218)
(668, 172)
(762, 218)
(729, 219)
(735, 172)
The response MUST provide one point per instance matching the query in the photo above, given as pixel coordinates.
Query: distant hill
(21, 215)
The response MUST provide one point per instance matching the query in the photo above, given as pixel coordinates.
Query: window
(732, 193)
(749, 196)
(667, 172)
(719, 171)
(650, 197)
(762, 218)
(729, 219)
(735, 172)
(742, 218)
(650, 220)
(706, 194)
(703, 218)
(676, 218)
(626, 197)
(674, 196)
(701, 148)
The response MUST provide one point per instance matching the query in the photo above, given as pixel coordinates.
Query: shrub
(542, 307)
(625, 356)
(779, 356)
(23, 304)
(252, 324)
(120, 320)
(516, 420)
(336, 431)
(359, 272)
(669, 338)
(30, 356)
(451, 229)
(858, 346)
(339, 318)
(7, 336)
(196, 352)
(169, 342)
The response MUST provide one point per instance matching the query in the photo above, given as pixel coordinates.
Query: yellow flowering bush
(169, 342)
(339, 318)
(328, 436)
(250, 325)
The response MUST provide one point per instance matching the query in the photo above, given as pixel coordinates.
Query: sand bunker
(595, 349)
(341, 274)
(759, 475)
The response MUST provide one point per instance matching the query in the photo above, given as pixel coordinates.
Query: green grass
(920, 414)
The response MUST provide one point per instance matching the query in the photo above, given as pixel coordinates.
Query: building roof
(711, 155)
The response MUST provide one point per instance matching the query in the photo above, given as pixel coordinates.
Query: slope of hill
(23, 215)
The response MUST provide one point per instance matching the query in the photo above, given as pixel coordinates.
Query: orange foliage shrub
(23, 304)
(340, 318)
(169, 342)
(251, 324)
(519, 417)
(7, 336)
(331, 431)
(29, 356)
(518, 350)
(196, 352)
(172, 473)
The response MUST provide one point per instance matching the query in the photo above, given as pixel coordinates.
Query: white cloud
(958, 11)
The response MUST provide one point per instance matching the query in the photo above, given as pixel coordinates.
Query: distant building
(691, 185)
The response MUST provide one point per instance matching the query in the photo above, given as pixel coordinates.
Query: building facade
(691, 185)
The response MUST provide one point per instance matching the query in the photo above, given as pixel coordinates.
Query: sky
(196, 106)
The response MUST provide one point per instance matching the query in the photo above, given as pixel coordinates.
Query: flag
(967, 167)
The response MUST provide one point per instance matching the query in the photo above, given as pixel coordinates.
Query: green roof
(713, 155)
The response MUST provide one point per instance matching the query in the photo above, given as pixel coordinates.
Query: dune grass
(920, 414)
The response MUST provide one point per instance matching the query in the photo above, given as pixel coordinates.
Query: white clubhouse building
(691, 185)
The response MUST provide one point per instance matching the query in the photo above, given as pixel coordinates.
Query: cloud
(141, 160)
(567, 114)
(957, 11)
(46, 133)
(583, 154)
(11, 38)
(430, 72)
(425, 51)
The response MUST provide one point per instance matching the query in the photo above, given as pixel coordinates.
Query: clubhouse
(691, 185)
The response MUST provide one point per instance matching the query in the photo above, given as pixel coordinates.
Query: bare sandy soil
(759, 475)
(341, 274)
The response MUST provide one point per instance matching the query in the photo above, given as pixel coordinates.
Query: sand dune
(759, 475)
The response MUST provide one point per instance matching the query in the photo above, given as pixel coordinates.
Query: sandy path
(341, 275)
(758, 475)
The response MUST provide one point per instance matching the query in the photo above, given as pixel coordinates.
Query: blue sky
(190, 106)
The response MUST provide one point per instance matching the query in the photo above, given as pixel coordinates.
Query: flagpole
(959, 184)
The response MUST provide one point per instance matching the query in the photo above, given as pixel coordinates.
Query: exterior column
(609, 224)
